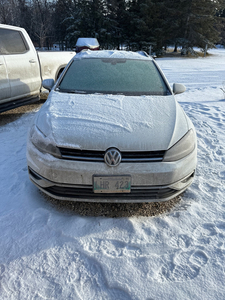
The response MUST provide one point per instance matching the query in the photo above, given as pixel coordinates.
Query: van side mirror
(48, 84)
(178, 88)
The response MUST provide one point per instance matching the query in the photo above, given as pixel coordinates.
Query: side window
(12, 42)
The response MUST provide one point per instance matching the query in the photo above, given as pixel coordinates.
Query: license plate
(112, 184)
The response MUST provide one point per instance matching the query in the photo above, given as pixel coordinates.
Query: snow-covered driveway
(48, 254)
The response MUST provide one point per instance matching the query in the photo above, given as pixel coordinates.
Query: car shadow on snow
(112, 210)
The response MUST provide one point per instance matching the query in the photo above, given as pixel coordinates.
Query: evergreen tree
(62, 18)
(134, 24)
(221, 15)
(199, 23)
(85, 19)
(116, 19)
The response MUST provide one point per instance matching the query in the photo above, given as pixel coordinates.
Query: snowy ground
(47, 254)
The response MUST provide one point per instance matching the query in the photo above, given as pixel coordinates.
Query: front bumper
(72, 180)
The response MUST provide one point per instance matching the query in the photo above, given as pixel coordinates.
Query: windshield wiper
(71, 91)
(77, 92)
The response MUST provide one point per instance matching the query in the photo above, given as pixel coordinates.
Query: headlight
(182, 148)
(42, 142)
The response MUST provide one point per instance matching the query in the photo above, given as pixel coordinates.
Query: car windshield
(114, 76)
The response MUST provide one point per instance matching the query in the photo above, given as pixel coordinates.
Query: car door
(22, 64)
(4, 80)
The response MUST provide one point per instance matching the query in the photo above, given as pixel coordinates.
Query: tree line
(134, 24)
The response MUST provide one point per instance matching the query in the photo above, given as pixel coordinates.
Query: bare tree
(41, 21)
(8, 12)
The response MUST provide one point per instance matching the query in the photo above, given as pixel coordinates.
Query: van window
(12, 42)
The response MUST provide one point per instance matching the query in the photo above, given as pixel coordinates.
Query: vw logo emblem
(112, 157)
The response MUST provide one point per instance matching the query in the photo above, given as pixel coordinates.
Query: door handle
(32, 61)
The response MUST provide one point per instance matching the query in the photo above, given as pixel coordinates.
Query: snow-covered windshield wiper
(70, 91)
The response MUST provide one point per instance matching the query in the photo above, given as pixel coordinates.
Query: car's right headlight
(182, 148)
(42, 142)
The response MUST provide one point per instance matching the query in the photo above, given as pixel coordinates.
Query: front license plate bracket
(111, 184)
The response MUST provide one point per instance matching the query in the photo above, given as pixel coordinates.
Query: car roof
(113, 54)
(89, 42)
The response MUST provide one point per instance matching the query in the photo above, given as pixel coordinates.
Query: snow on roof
(112, 54)
(87, 42)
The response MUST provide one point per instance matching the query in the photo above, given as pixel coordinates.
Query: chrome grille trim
(98, 156)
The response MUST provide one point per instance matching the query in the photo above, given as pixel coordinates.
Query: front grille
(98, 156)
(87, 193)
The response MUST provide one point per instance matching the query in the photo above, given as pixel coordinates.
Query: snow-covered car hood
(98, 122)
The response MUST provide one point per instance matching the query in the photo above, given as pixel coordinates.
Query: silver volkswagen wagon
(112, 131)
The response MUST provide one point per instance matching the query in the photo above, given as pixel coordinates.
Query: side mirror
(178, 88)
(48, 84)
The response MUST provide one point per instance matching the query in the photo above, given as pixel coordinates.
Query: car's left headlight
(182, 148)
(43, 143)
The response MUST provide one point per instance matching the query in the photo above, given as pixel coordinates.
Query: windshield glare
(114, 76)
